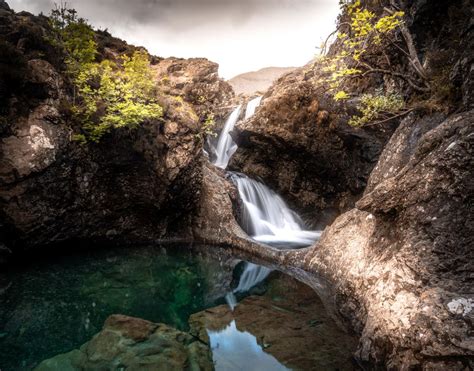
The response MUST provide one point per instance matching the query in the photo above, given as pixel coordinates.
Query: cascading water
(266, 217)
(252, 106)
(226, 146)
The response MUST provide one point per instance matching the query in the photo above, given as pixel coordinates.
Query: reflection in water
(251, 276)
(232, 349)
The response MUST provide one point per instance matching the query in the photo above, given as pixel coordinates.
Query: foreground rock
(135, 185)
(289, 322)
(400, 263)
(135, 344)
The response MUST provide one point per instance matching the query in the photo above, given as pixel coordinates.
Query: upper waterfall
(226, 146)
(252, 106)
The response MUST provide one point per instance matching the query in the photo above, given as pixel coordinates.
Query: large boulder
(135, 344)
(400, 264)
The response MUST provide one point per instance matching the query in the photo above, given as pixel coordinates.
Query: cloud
(238, 34)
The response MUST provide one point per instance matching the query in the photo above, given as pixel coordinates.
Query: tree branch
(390, 118)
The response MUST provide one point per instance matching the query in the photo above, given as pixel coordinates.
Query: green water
(54, 305)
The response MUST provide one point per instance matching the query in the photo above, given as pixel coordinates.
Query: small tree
(75, 36)
(362, 43)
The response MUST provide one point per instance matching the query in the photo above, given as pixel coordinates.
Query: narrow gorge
(154, 216)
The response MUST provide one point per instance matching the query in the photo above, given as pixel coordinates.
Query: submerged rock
(134, 344)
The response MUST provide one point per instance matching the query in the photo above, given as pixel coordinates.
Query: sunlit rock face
(401, 260)
(135, 185)
(135, 344)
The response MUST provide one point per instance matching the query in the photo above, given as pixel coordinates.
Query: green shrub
(372, 107)
(109, 94)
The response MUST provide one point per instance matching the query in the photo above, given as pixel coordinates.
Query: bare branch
(390, 118)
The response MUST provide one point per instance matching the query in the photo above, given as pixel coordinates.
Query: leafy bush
(373, 107)
(116, 96)
(109, 94)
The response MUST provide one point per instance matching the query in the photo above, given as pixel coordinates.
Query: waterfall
(267, 218)
(226, 146)
(252, 106)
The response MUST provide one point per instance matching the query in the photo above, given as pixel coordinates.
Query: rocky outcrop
(135, 185)
(400, 263)
(300, 145)
(215, 221)
(135, 344)
(195, 80)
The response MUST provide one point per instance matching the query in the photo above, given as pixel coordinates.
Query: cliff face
(135, 185)
(400, 262)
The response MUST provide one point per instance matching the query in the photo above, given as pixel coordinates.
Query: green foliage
(74, 35)
(364, 28)
(208, 126)
(372, 107)
(341, 95)
(115, 96)
(109, 94)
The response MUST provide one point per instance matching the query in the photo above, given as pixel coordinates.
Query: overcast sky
(241, 35)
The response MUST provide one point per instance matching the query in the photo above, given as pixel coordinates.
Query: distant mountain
(251, 82)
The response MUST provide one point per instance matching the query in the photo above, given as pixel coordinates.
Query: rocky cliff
(135, 185)
(299, 142)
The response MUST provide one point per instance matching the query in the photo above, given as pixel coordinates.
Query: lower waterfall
(265, 216)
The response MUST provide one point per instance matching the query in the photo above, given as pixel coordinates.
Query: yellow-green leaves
(108, 94)
(372, 107)
(116, 96)
(341, 95)
(359, 36)
(389, 23)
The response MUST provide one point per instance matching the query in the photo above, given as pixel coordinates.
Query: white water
(252, 106)
(226, 146)
(267, 218)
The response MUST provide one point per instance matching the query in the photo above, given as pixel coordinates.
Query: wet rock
(400, 263)
(215, 222)
(135, 344)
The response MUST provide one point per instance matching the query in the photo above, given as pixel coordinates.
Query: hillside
(251, 82)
